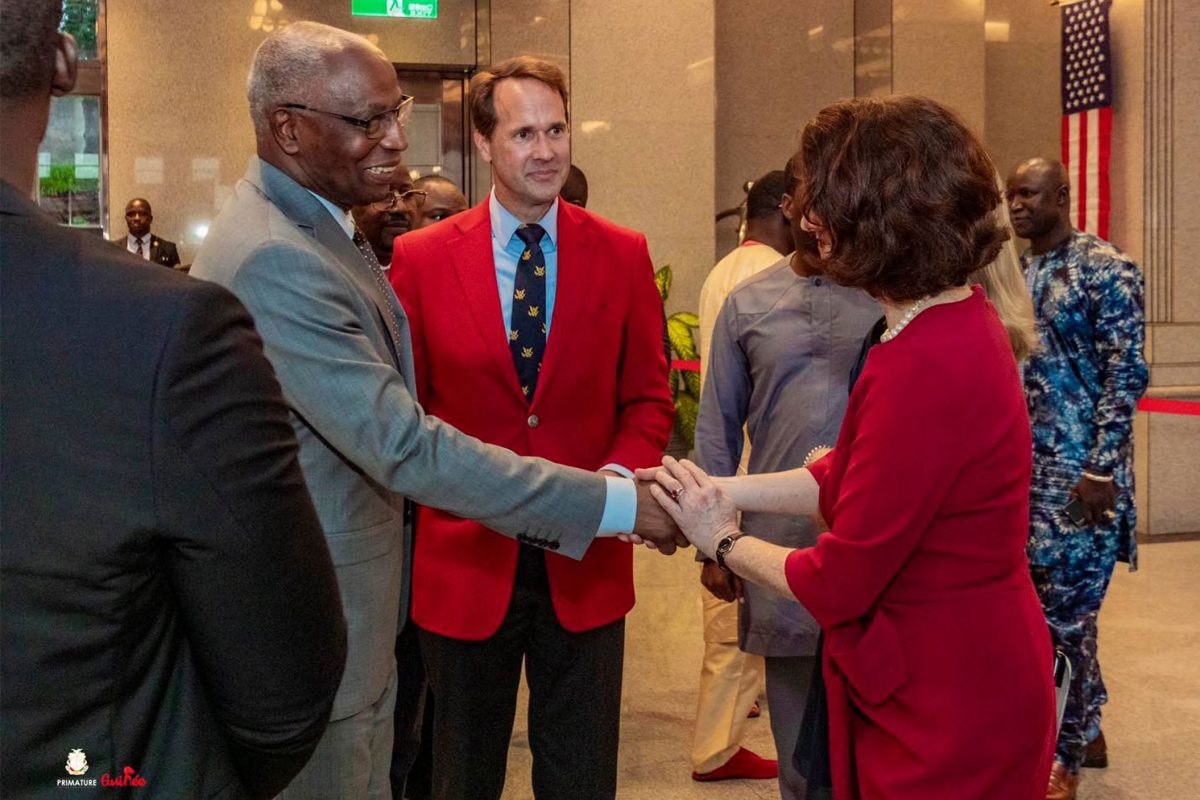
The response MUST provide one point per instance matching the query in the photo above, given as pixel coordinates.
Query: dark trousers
(411, 698)
(574, 700)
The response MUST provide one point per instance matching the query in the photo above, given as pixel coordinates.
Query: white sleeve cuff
(617, 468)
(620, 506)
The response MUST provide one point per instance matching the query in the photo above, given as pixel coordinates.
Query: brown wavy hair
(483, 87)
(906, 192)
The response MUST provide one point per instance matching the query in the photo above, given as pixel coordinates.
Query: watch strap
(724, 546)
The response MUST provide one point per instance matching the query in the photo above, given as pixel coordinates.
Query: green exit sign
(413, 9)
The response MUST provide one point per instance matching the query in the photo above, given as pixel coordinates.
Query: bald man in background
(443, 199)
(1082, 387)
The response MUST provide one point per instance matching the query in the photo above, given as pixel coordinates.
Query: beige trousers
(730, 681)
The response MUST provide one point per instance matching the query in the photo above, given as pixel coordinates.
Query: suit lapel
(382, 296)
(475, 266)
(576, 278)
(298, 204)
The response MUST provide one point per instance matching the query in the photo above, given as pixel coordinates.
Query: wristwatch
(724, 546)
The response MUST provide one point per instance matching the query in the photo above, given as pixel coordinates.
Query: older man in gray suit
(329, 123)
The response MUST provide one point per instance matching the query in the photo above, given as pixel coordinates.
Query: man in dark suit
(140, 241)
(329, 123)
(170, 613)
(554, 313)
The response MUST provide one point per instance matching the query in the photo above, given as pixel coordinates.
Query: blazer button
(554, 545)
(533, 420)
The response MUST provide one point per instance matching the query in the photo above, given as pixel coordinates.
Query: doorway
(438, 132)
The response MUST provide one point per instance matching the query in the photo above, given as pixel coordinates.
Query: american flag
(1087, 82)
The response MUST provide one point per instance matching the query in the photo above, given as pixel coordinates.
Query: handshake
(667, 519)
(653, 526)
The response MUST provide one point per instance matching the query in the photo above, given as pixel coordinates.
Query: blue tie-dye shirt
(1083, 386)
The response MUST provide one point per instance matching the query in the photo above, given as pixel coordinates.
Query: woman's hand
(701, 510)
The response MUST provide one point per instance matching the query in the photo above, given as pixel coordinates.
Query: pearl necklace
(913, 310)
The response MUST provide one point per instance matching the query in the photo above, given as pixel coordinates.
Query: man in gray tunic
(783, 347)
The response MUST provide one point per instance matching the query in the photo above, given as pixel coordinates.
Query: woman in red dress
(937, 657)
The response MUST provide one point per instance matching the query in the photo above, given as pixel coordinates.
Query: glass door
(438, 136)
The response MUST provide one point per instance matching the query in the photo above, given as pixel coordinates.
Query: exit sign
(413, 9)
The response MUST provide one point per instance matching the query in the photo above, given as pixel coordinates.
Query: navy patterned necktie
(389, 297)
(527, 333)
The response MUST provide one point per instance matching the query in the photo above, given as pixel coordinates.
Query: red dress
(937, 657)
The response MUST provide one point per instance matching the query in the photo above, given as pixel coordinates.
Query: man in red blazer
(536, 325)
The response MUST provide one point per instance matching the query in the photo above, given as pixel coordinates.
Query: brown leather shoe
(1096, 755)
(1063, 784)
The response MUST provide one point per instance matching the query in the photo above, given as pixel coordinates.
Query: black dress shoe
(1096, 755)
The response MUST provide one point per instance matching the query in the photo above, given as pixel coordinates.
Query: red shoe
(755, 711)
(744, 765)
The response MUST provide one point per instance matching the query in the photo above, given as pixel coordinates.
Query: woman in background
(937, 658)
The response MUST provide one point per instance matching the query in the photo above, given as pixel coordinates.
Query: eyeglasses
(372, 126)
(412, 197)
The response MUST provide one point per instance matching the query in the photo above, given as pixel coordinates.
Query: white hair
(290, 62)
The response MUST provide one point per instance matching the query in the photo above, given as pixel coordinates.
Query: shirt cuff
(617, 468)
(620, 507)
(820, 468)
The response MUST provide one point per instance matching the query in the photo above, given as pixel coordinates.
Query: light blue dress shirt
(343, 218)
(620, 506)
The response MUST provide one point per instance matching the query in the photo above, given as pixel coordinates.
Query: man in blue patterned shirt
(1082, 386)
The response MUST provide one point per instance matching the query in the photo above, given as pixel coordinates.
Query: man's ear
(785, 205)
(484, 146)
(1064, 195)
(66, 65)
(285, 131)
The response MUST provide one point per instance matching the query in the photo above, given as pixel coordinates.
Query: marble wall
(642, 126)
(938, 51)
(774, 72)
(1168, 456)
(1022, 109)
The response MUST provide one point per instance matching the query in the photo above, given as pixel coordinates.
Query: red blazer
(601, 398)
(937, 658)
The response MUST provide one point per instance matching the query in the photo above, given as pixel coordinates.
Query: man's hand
(1099, 499)
(654, 526)
(721, 584)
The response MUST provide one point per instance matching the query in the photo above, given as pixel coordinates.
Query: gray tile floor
(1149, 648)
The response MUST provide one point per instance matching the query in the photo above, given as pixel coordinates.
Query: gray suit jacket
(365, 444)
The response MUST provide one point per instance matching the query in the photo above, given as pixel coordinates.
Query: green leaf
(691, 379)
(682, 342)
(687, 318)
(662, 279)
(686, 410)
